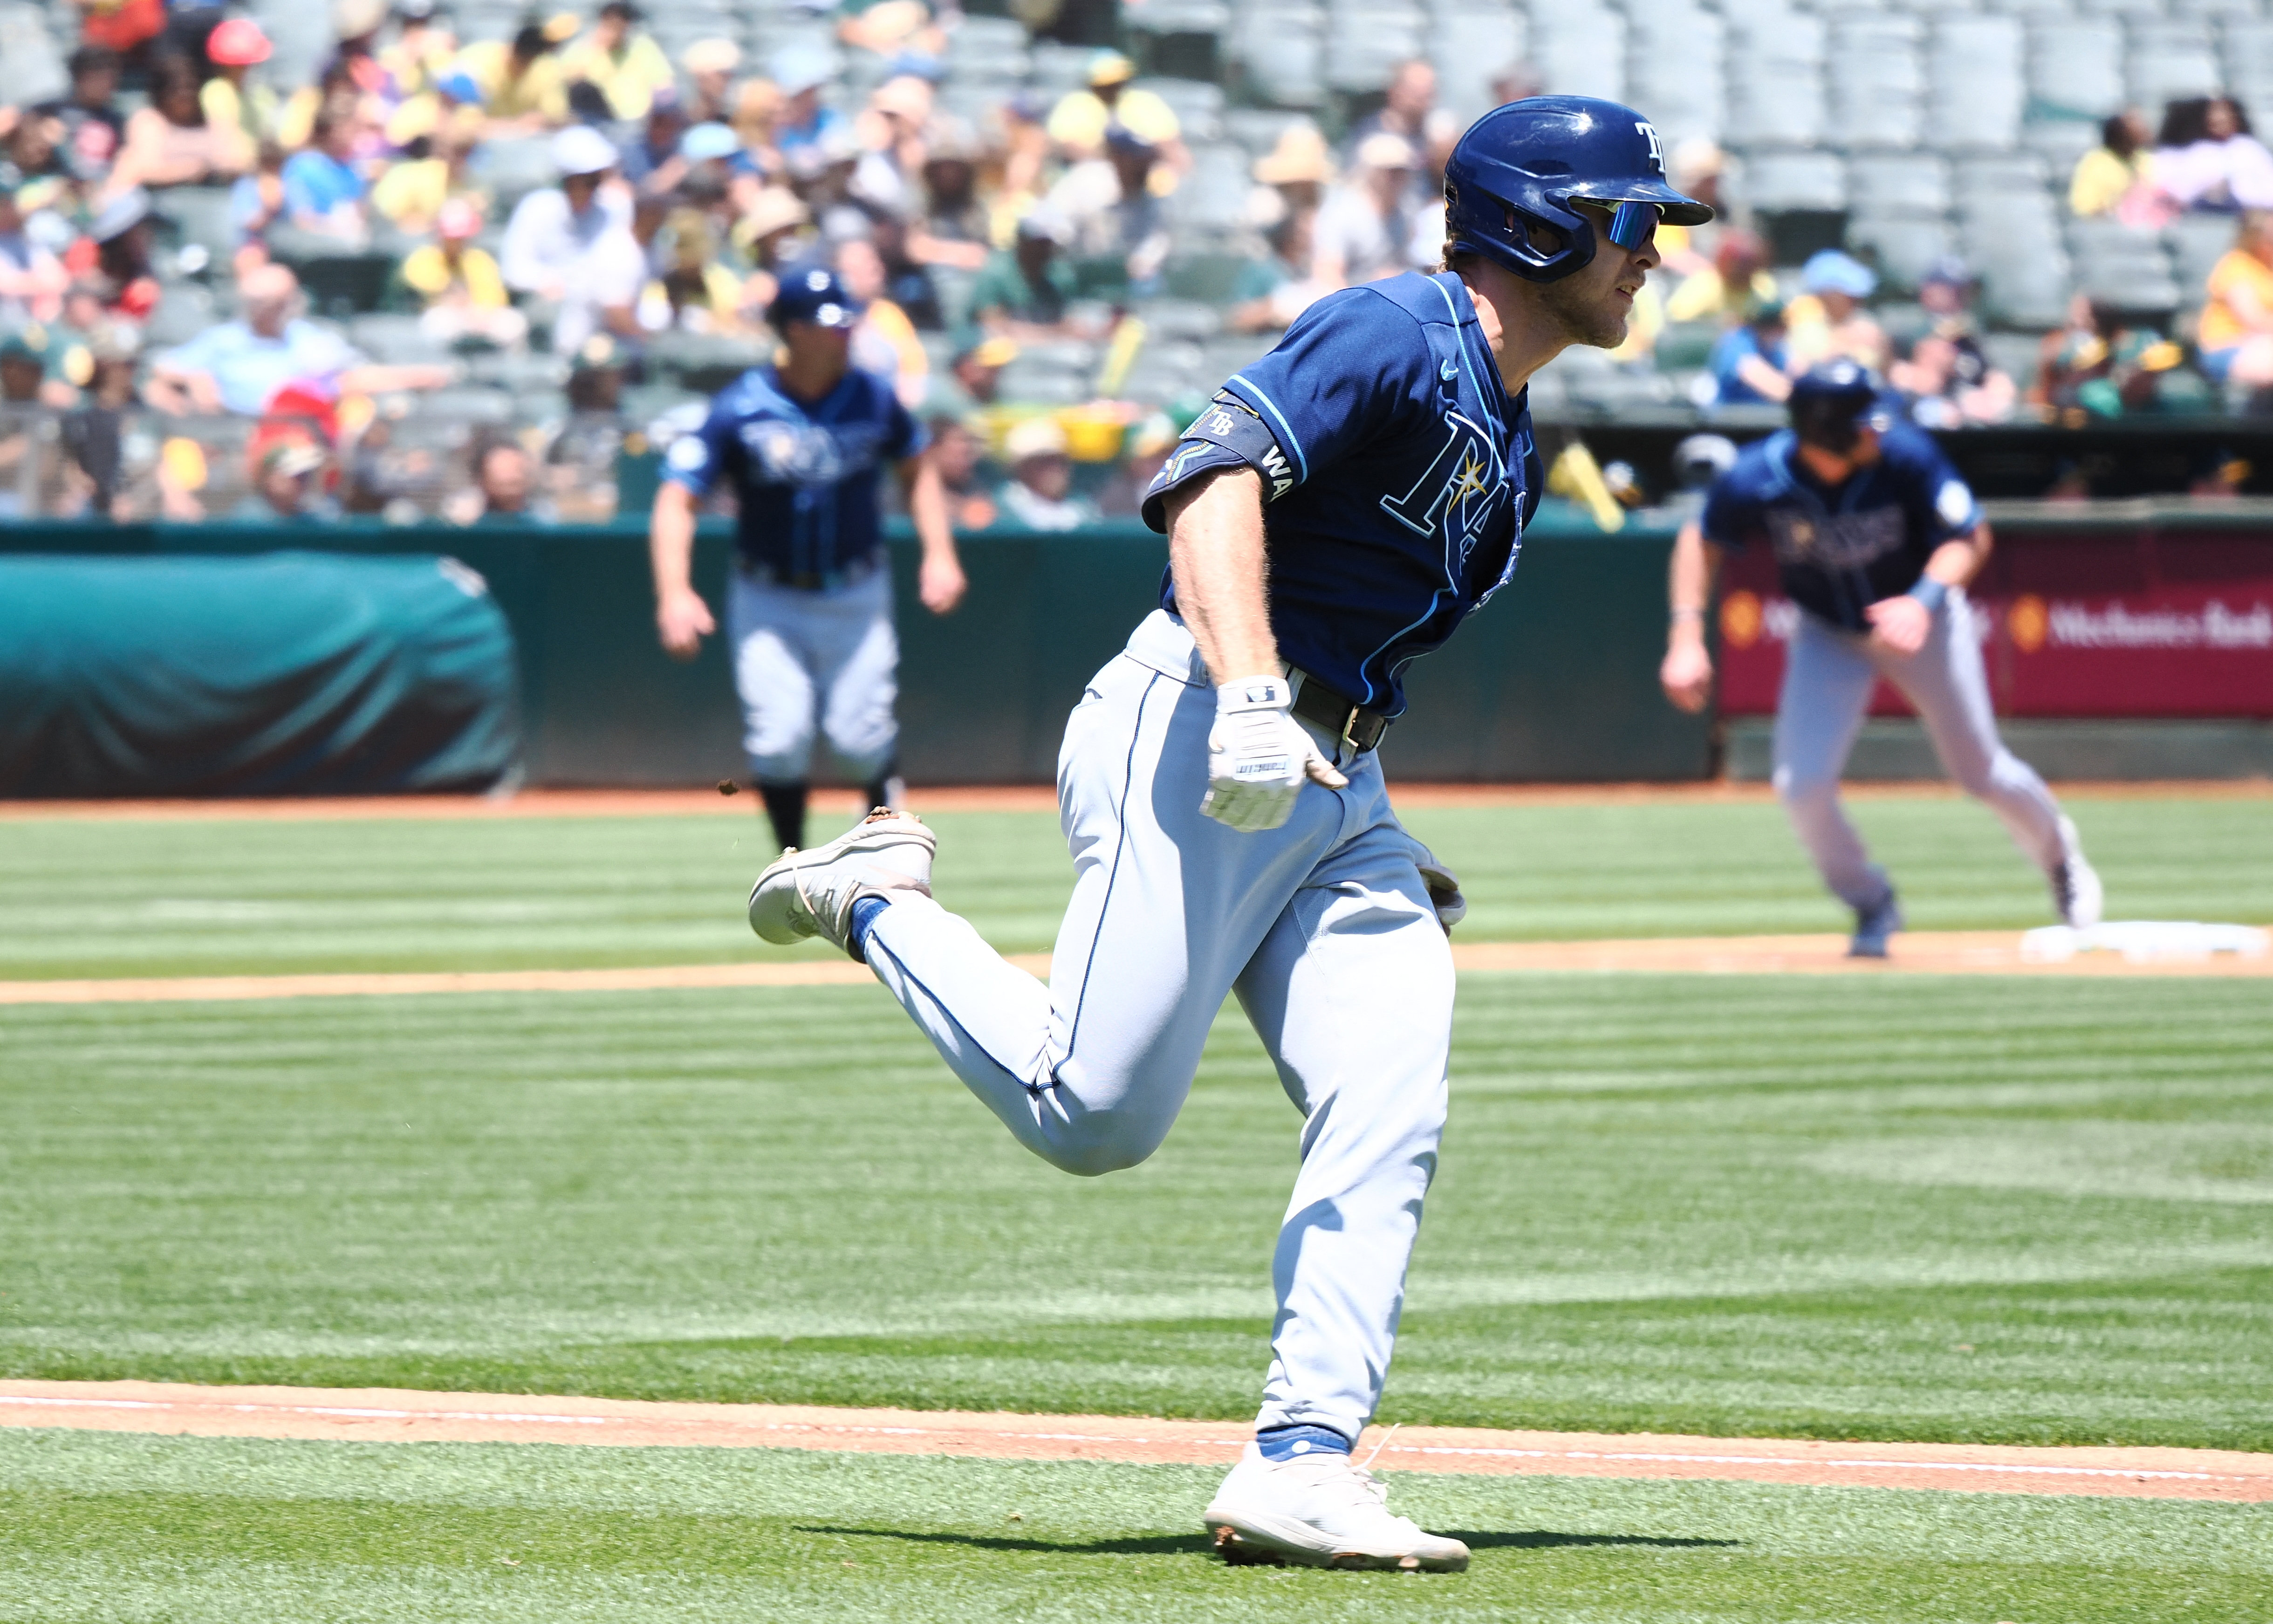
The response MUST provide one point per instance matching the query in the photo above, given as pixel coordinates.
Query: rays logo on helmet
(1656, 146)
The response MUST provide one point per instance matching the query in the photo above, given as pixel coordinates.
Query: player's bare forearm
(681, 618)
(1689, 577)
(939, 581)
(1215, 551)
(1959, 560)
(1686, 671)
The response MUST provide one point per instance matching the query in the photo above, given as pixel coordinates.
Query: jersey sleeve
(903, 436)
(1944, 504)
(1731, 516)
(696, 460)
(1340, 377)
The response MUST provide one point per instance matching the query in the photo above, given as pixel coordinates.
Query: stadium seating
(1909, 129)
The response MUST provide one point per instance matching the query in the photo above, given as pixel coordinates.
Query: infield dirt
(394, 1415)
(1944, 952)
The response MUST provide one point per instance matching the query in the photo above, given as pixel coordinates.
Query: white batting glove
(1259, 757)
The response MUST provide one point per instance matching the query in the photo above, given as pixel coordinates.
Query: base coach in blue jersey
(1876, 538)
(1344, 505)
(804, 446)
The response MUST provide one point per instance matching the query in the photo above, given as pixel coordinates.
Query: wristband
(1253, 694)
(1930, 592)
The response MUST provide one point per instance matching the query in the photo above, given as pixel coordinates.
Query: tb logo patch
(1459, 490)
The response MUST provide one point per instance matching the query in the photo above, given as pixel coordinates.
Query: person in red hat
(234, 48)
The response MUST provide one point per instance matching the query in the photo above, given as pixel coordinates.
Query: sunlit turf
(99, 1527)
(1964, 1208)
(155, 897)
(2005, 1209)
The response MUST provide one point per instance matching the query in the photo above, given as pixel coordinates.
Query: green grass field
(224, 898)
(215, 1531)
(2015, 1210)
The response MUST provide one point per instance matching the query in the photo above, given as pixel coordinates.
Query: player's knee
(1101, 1142)
(1800, 787)
(1982, 776)
(864, 754)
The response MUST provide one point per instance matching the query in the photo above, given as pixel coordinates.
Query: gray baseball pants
(1324, 931)
(808, 663)
(1828, 678)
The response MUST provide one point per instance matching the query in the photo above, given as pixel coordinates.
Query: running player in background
(809, 608)
(1876, 539)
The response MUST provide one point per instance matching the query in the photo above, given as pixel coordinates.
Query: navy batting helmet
(1833, 400)
(1520, 166)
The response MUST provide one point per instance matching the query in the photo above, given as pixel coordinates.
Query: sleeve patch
(1230, 424)
(1955, 504)
(688, 455)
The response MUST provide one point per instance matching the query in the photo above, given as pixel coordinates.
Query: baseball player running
(809, 609)
(1344, 505)
(1876, 538)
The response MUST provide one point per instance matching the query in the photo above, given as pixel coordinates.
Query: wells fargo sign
(2077, 625)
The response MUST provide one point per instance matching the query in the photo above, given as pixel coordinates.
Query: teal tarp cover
(286, 673)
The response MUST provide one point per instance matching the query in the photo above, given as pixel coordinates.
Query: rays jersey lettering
(1396, 470)
(1458, 494)
(1835, 541)
(804, 453)
(804, 473)
(1840, 549)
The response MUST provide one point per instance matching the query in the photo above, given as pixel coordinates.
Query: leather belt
(808, 580)
(1345, 719)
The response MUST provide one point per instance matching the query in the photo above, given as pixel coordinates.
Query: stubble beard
(1586, 316)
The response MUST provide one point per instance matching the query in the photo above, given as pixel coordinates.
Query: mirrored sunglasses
(1632, 224)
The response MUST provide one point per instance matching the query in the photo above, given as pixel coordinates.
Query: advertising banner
(2076, 625)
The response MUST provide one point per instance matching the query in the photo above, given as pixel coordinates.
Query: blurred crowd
(460, 278)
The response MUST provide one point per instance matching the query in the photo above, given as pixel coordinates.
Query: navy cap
(812, 293)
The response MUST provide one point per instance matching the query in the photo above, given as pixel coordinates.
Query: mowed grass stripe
(103, 1527)
(269, 897)
(2005, 1211)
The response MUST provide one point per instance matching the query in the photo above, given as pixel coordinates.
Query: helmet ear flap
(1518, 239)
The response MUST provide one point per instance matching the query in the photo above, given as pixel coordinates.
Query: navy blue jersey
(1397, 477)
(806, 475)
(1840, 549)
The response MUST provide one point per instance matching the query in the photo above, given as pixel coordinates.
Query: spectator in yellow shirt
(522, 89)
(885, 341)
(2103, 177)
(2236, 337)
(1827, 320)
(412, 192)
(1077, 123)
(423, 49)
(234, 48)
(464, 292)
(627, 68)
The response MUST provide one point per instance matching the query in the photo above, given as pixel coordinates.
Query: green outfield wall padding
(1555, 679)
(284, 673)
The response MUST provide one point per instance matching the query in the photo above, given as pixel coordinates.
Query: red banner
(2076, 625)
